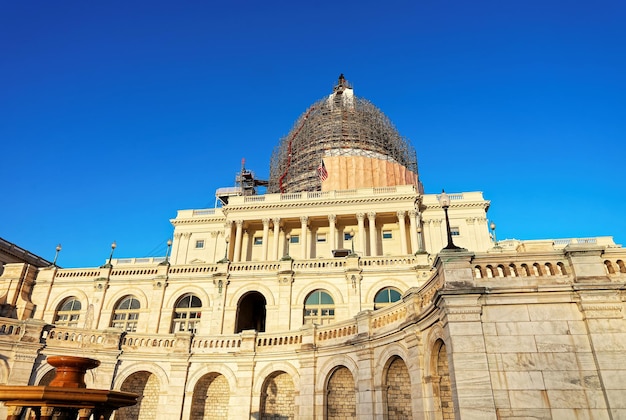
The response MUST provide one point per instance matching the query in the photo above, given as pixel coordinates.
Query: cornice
(320, 203)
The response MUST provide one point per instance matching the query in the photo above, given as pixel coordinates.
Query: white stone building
(330, 297)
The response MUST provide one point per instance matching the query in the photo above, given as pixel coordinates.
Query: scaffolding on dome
(339, 125)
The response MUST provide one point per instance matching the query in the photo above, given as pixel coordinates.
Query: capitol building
(336, 289)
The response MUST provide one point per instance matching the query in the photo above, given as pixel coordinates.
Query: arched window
(319, 308)
(609, 267)
(126, 314)
(622, 266)
(386, 296)
(187, 314)
(68, 313)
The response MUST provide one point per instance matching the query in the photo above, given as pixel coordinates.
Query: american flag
(322, 173)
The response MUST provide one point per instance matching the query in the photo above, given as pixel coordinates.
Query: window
(454, 231)
(319, 308)
(68, 313)
(321, 237)
(258, 240)
(386, 296)
(200, 243)
(294, 239)
(126, 314)
(187, 314)
(387, 234)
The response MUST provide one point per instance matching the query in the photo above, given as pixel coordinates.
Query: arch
(319, 308)
(441, 383)
(513, 270)
(478, 272)
(187, 314)
(334, 291)
(371, 292)
(549, 269)
(114, 299)
(278, 397)
(386, 296)
(126, 314)
(271, 368)
(340, 394)
(537, 270)
(251, 312)
(501, 270)
(490, 272)
(621, 265)
(397, 401)
(175, 294)
(525, 270)
(203, 370)
(561, 267)
(68, 312)
(609, 267)
(258, 288)
(148, 386)
(131, 368)
(211, 397)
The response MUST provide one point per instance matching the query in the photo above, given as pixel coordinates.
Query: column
(414, 239)
(303, 236)
(360, 217)
(266, 237)
(238, 235)
(332, 240)
(276, 222)
(403, 249)
(373, 237)
(228, 230)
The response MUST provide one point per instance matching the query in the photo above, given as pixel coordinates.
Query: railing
(337, 330)
(317, 264)
(221, 344)
(193, 269)
(148, 342)
(204, 212)
(485, 269)
(255, 266)
(273, 340)
(387, 261)
(94, 272)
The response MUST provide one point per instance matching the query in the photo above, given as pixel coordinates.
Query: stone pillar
(276, 222)
(186, 242)
(266, 237)
(241, 395)
(402, 226)
(373, 237)
(175, 391)
(360, 217)
(415, 240)
(303, 239)
(238, 237)
(332, 240)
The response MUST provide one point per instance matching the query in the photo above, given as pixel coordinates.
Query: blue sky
(113, 115)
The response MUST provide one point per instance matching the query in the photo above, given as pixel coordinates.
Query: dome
(356, 143)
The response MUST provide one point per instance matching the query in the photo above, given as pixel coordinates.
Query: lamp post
(225, 259)
(108, 264)
(352, 233)
(167, 253)
(287, 241)
(444, 201)
(493, 229)
(56, 255)
(420, 247)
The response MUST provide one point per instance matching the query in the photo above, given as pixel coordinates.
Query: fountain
(67, 397)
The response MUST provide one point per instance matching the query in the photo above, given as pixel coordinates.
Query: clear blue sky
(115, 114)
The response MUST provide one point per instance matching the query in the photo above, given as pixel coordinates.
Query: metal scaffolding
(339, 125)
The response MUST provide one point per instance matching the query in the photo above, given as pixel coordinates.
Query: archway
(251, 312)
(211, 397)
(145, 384)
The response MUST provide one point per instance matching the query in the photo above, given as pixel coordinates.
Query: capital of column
(266, 222)
(371, 215)
(187, 235)
(400, 214)
(304, 219)
(332, 218)
(360, 217)
(239, 223)
(178, 235)
(276, 221)
(413, 213)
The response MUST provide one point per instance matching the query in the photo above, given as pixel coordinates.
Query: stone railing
(320, 195)
(340, 330)
(71, 337)
(135, 272)
(265, 340)
(390, 315)
(318, 264)
(486, 269)
(148, 342)
(216, 344)
(254, 266)
(11, 327)
(385, 262)
(78, 272)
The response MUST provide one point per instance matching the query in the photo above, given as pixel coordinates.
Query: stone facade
(335, 304)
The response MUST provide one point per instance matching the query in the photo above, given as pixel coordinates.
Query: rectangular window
(455, 231)
(200, 243)
(258, 240)
(295, 239)
(387, 234)
(321, 237)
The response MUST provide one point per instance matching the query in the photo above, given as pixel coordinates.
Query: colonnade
(276, 229)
